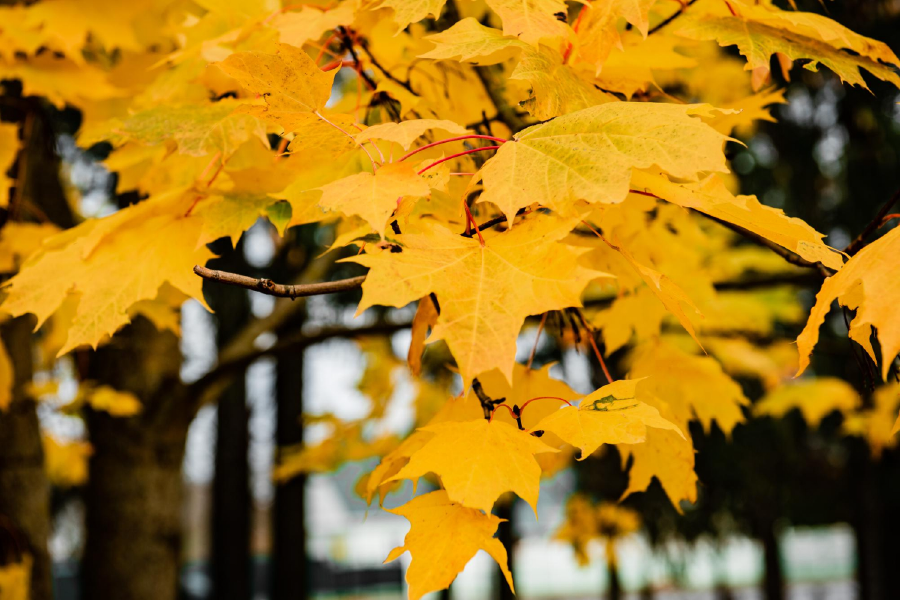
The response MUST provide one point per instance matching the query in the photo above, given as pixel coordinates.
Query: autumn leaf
(814, 398)
(760, 32)
(590, 155)
(374, 197)
(485, 292)
(610, 415)
(692, 386)
(874, 424)
(669, 458)
(478, 461)
(406, 132)
(424, 319)
(9, 148)
(293, 87)
(869, 285)
(7, 378)
(437, 558)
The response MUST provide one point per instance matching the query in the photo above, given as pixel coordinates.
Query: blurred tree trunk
(290, 562)
(24, 490)
(773, 583)
(134, 492)
(231, 501)
(612, 571)
(868, 528)
(506, 535)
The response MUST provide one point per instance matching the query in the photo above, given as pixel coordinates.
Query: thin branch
(672, 18)
(857, 244)
(591, 337)
(406, 85)
(269, 287)
(493, 83)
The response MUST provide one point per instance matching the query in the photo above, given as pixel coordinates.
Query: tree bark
(24, 489)
(134, 493)
(290, 562)
(231, 502)
(869, 526)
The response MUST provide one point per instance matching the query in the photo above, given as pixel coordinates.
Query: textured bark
(134, 492)
(290, 563)
(231, 500)
(24, 490)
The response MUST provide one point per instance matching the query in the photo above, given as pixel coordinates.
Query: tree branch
(857, 244)
(670, 19)
(269, 287)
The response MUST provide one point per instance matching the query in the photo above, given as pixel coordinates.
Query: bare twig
(269, 287)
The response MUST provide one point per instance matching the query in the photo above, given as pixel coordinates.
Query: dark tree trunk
(231, 502)
(506, 535)
(290, 563)
(869, 540)
(774, 575)
(612, 571)
(24, 490)
(134, 492)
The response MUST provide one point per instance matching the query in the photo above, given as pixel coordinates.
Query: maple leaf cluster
(495, 162)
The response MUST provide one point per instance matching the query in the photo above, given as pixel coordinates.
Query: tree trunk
(24, 490)
(134, 493)
(869, 528)
(612, 571)
(290, 563)
(231, 502)
(506, 535)
(774, 575)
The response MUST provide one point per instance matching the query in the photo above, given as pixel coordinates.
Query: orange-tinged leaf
(590, 155)
(438, 557)
(875, 424)
(7, 377)
(485, 293)
(374, 197)
(610, 415)
(479, 461)
(310, 22)
(868, 284)
(426, 317)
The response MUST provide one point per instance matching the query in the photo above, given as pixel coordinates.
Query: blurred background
(787, 509)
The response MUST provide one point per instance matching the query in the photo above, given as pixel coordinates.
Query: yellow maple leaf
(692, 386)
(669, 458)
(438, 558)
(66, 463)
(868, 284)
(7, 377)
(875, 424)
(9, 148)
(455, 409)
(484, 292)
(760, 32)
(293, 86)
(531, 20)
(15, 579)
(374, 197)
(18, 240)
(197, 130)
(598, 31)
(711, 197)
(87, 261)
(310, 22)
(814, 398)
(590, 155)
(406, 132)
(478, 461)
(610, 415)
